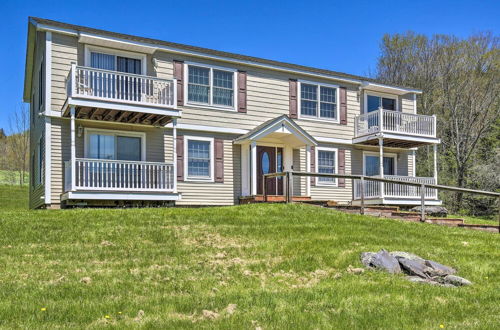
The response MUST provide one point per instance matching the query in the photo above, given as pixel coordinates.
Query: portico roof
(283, 128)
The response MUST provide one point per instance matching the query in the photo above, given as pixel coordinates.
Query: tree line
(460, 80)
(14, 148)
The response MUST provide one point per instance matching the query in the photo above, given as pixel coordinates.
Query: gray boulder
(413, 267)
(437, 269)
(435, 211)
(456, 280)
(406, 255)
(366, 259)
(383, 260)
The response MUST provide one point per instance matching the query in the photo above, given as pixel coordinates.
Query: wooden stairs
(393, 212)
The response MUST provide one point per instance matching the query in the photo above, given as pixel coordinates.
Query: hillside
(280, 265)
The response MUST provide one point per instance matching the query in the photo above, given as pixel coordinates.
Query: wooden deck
(271, 199)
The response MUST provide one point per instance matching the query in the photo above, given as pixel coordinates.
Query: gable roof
(221, 54)
(281, 120)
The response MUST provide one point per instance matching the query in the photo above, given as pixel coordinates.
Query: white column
(381, 119)
(245, 170)
(253, 162)
(174, 152)
(287, 158)
(308, 169)
(73, 149)
(381, 163)
(435, 163)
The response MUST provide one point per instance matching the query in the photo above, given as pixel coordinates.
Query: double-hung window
(211, 86)
(199, 161)
(326, 160)
(318, 101)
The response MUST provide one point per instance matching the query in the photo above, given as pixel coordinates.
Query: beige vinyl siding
(214, 193)
(64, 52)
(407, 103)
(37, 128)
(339, 194)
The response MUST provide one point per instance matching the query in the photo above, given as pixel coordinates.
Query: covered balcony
(398, 129)
(396, 194)
(99, 94)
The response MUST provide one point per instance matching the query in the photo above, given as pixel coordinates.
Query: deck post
(308, 169)
(73, 148)
(253, 168)
(290, 187)
(434, 147)
(381, 163)
(381, 119)
(362, 193)
(422, 202)
(174, 154)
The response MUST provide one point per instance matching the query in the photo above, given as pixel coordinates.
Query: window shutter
(293, 99)
(341, 167)
(313, 165)
(179, 75)
(343, 105)
(219, 160)
(180, 158)
(242, 91)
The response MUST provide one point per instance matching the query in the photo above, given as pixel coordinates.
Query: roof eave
(30, 57)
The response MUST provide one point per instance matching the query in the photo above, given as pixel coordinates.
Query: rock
(413, 267)
(383, 260)
(435, 211)
(456, 280)
(406, 255)
(366, 258)
(437, 269)
(416, 279)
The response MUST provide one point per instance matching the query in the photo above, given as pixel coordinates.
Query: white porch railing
(119, 175)
(105, 85)
(372, 189)
(395, 122)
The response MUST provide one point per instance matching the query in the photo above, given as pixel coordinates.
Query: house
(119, 119)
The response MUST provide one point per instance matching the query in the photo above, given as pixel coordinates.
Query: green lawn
(283, 266)
(11, 178)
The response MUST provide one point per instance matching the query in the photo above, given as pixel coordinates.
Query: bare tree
(18, 142)
(460, 79)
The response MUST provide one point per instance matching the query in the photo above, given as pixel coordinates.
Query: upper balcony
(120, 97)
(398, 129)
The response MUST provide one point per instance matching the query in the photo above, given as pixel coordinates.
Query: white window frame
(88, 131)
(336, 120)
(115, 52)
(316, 165)
(211, 168)
(381, 95)
(376, 154)
(210, 104)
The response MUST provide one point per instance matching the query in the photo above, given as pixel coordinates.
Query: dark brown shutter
(242, 91)
(343, 105)
(180, 158)
(179, 75)
(219, 160)
(293, 99)
(341, 167)
(313, 165)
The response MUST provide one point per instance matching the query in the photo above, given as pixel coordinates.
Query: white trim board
(48, 120)
(153, 47)
(97, 195)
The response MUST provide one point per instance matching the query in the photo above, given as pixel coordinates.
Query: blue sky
(338, 35)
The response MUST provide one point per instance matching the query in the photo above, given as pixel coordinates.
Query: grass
(12, 178)
(283, 266)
